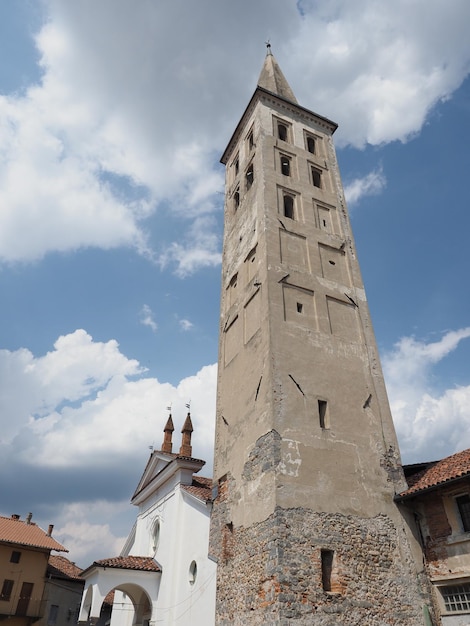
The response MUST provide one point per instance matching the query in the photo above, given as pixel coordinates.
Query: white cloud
(135, 104)
(430, 424)
(78, 419)
(369, 185)
(185, 325)
(147, 318)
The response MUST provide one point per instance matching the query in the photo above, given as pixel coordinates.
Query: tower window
(285, 165)
(282, 131)
(323, 414)
(250, 176)
(316, 177)
(310, 141)
(463, 505)
(289, 207)
(236, 164)
(300, 307)
(236, 199)
(250, 140)
(326, 568)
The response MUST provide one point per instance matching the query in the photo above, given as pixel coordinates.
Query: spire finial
(186, 448)
(167, 444)
(268, 48)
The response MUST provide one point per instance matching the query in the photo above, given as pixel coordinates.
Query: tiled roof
(143, 563)
(439, 473)
(61, 567)
(17, 531)
(201, 488)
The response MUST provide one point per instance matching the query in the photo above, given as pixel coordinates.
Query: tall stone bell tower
(304, 527)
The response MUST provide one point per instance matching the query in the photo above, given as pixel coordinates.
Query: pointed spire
(186, 448)
(167, 444)
(272, 78)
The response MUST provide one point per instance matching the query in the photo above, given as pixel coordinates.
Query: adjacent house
(163, 574)
(438, 494)
(24, 555)
(62, 593)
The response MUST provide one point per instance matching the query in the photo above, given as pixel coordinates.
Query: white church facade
(163, 574)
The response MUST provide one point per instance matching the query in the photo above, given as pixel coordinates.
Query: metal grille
(456, 597)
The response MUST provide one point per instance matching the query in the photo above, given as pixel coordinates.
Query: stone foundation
(301, 567)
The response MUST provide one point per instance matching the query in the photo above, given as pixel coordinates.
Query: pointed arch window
(250, 176)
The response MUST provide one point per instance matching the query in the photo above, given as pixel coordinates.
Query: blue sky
(112, 121)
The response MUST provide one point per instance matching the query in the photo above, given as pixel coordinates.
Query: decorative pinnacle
(167, 444)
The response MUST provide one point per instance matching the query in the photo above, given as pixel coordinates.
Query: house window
(192, 572)
(285, 165)
(456, 597)
(7, 588)
(316, 177)
(53, 612)
(250, 176)
(15, 556)
(310, 142)
(289, 207)
(463, 504)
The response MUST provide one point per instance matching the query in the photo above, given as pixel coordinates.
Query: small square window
(15, 556)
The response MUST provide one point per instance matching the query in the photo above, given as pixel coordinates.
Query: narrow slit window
(285, 165)
(323, 415)
(251, 141)
(311, 144)
(300, 307)
(289, 207)
(237, 165)
(250, 176)
(326, 568)
(316, 177)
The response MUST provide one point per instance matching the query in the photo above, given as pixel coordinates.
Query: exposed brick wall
(272, 574)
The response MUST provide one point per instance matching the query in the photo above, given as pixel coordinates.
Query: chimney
(50, 529)
(28, 518)
(167, 444)
(15, 516)
(186, 448)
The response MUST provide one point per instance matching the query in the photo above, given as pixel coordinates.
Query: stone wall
(271, 573)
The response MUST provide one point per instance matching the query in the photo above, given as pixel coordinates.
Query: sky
(113, 117)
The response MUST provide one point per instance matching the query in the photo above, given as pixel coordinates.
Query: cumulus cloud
(135, 103)
(77, 423)
(185, 325)
(430, 424)
(369, 185)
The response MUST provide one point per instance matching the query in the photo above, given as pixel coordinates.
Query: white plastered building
(163, 574)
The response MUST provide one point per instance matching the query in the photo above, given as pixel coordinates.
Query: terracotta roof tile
(438, 473)
(16, 531)
(60, 567)
(201, 487)
(143, 563)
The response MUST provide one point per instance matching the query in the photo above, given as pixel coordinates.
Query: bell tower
(304, 526)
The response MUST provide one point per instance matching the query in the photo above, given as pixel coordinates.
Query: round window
(192, 572)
